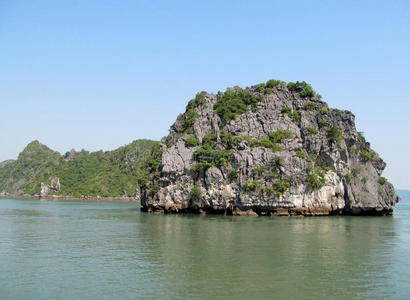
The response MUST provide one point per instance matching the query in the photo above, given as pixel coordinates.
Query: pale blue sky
(99, 74)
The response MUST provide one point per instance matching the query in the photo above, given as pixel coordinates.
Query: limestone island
(268, 149)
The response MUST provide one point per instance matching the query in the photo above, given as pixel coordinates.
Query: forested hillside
(107, 174)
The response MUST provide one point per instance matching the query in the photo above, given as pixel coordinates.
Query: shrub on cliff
(260, 170)
(312, 130)
(265, 143)
(191, 142)
(196, 191)
(190, 117)
(273, 83)
(197, 101)
(286, 110)
(323, 122)
(296, 115)
(382, 180)
(209, 139)
(316, 177)
(301, 154)
(310, 105)
(280, 135)
(268, 91)
(260, 87)
(208, 157)
(232, 141)
(233, 103)
(366, 155)
(232, 175)
(281, 186)
(251, 185)
(334, 134)
(303, 88)
(324, 111)
(349, 177)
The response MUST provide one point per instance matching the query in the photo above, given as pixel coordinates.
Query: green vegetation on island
(107, 174)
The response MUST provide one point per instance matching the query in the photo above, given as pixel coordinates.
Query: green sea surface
(111, 250)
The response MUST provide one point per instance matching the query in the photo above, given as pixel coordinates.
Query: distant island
(270, 149)
(40, 171)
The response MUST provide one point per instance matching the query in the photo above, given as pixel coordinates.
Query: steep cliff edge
(269, 149)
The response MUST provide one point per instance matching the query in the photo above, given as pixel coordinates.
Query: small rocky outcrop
(53, 186)
(269, 149)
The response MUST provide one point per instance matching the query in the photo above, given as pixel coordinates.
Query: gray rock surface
(324, 167)
(54, 186)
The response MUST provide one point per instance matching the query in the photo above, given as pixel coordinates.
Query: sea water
(108, 250)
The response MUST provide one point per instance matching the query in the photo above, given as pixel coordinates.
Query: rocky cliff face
(269, 149)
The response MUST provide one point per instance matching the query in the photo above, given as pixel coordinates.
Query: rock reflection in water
(93, 250)
(313, 257)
